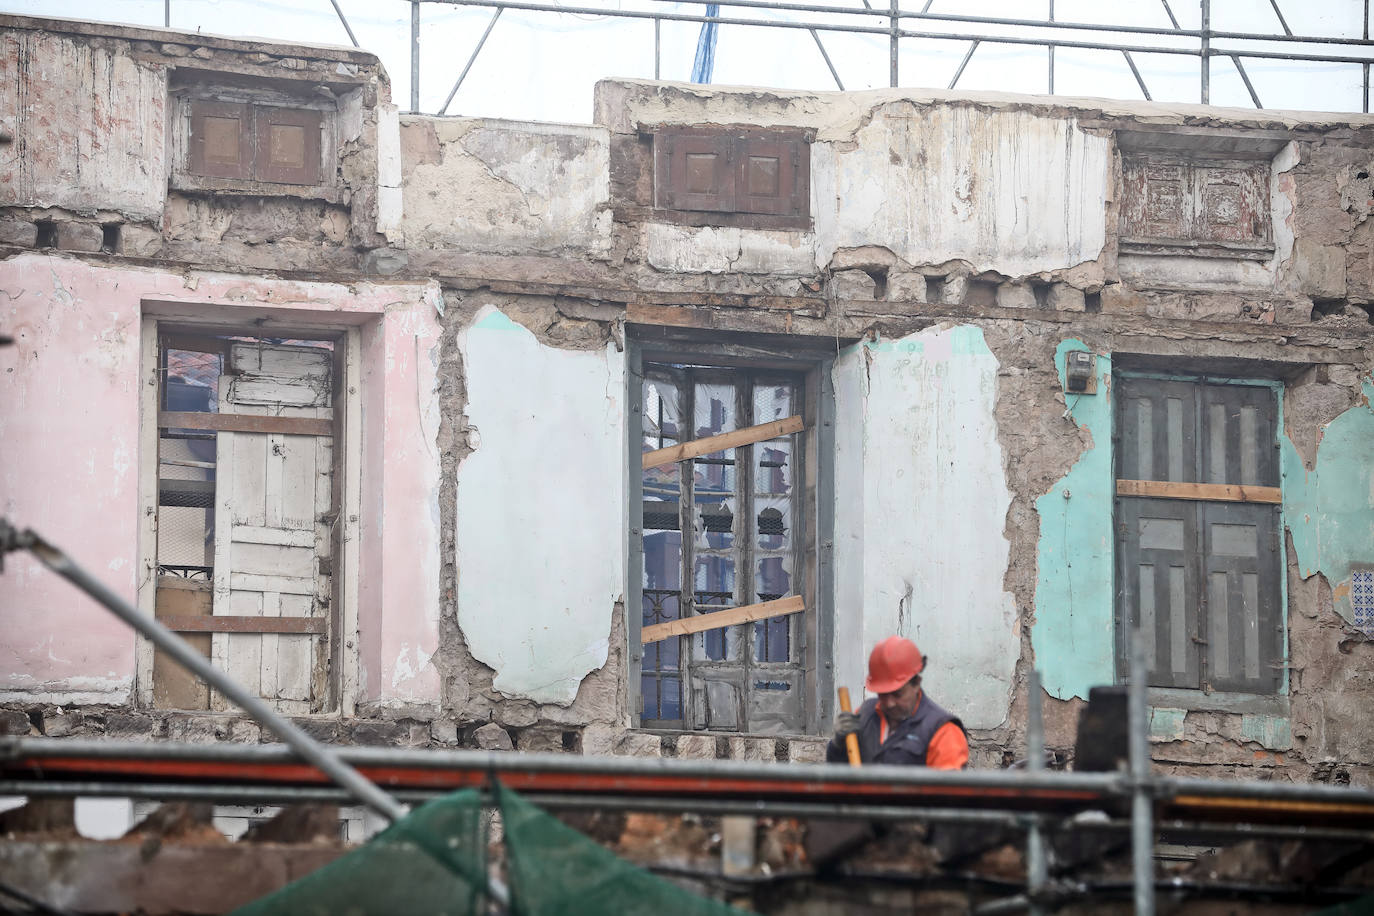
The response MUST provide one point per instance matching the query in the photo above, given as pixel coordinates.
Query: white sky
(542, 66)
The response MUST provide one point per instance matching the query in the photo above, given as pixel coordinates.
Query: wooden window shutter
(693, 170)
(1232, 204)
(288, 145)
(773, 172)
(221, 140)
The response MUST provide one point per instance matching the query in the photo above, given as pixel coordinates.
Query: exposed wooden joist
(242, 423)
(716, 619)
(1222, 492)
(185, 623)
(733, 439)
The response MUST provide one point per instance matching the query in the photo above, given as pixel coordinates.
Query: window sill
(1198, 701)
(632, 213)
(193, 184)
(1196, 249)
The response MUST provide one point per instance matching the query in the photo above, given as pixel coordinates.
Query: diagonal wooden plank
(733, 439)
(735, 615)
(1225, 492)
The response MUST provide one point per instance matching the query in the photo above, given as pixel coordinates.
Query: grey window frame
(1205, 575)
(813, 574)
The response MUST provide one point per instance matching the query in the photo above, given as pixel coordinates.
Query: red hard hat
(892, 663)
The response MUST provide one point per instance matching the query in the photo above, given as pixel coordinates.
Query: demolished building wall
(952, 253)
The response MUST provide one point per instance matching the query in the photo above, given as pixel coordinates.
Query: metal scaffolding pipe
(472, 59)
(1142, 810)
(816, 35)
(179, 651)
(415, 56)
(347, 28)
(1037, 868)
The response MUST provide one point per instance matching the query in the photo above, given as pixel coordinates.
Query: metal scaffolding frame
(895, 24)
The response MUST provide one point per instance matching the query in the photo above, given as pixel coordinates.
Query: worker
(901, 725)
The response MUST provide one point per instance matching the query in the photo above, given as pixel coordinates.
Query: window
(724, 532)
(734, 171)
(255, 142)
(1197, 531)
(246, 503)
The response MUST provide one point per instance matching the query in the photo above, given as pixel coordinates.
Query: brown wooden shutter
(773, 174)
(1232, 203)
(288, 145)
(693, 171)
(221, 140)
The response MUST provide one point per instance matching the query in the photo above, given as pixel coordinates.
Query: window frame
(814, 576)
(339, 642)
(1204, 696)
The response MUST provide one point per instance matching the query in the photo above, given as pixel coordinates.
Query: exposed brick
(806, 750)
(852, 284)
(1065, 298)
(1016, 296)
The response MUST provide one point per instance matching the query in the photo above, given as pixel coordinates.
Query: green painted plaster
(496, 320)
(1272, 732)
(1329, 510)
(964, 340)
(1166, 724)
(1074, 632)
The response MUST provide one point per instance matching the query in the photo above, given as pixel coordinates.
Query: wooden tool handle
(851, 740)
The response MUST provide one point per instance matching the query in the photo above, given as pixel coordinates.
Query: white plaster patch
(404, 669)
(920, 507)
(541, 537)
(710, 249)
(1009, 191)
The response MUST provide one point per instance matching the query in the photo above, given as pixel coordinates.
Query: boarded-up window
(245, 516)
(723, 530)
(1205, 207)
(733, 170)
(255, 142)
(1197, 533)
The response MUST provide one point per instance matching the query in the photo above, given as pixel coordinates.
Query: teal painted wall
(1329, 510)
(1074, 633)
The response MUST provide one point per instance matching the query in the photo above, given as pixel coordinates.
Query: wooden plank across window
(243, 423)
(224, 623)
(1225, 492)
(719, 443)
(780, 607)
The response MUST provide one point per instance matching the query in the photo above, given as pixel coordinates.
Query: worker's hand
(846, 723)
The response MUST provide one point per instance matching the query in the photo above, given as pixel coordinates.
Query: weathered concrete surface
(88, 122)
(919, 492)
(1010, 192)
(499, 186)
(541, 526)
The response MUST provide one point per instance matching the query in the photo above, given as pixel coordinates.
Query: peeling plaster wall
(920, 503)
(69, 461)
(1008, 191)
(713, 249)
(541, 539)
(88, 125)
(400, 522)
(1074, 600)
(504, 186)
(1329, 508)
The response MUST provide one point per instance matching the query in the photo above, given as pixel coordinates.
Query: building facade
(400, 418)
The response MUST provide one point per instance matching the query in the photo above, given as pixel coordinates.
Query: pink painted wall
(69, 433)
(400, 518)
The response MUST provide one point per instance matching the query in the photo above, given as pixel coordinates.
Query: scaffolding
(1034, 800)
(896, 27)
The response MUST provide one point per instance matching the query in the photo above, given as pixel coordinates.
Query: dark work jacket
(906, 741)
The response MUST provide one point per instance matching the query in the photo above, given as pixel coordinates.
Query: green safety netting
(434, 862)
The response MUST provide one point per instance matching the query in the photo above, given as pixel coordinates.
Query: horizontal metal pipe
(885, 13)
(497, 762)
(283, 795)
